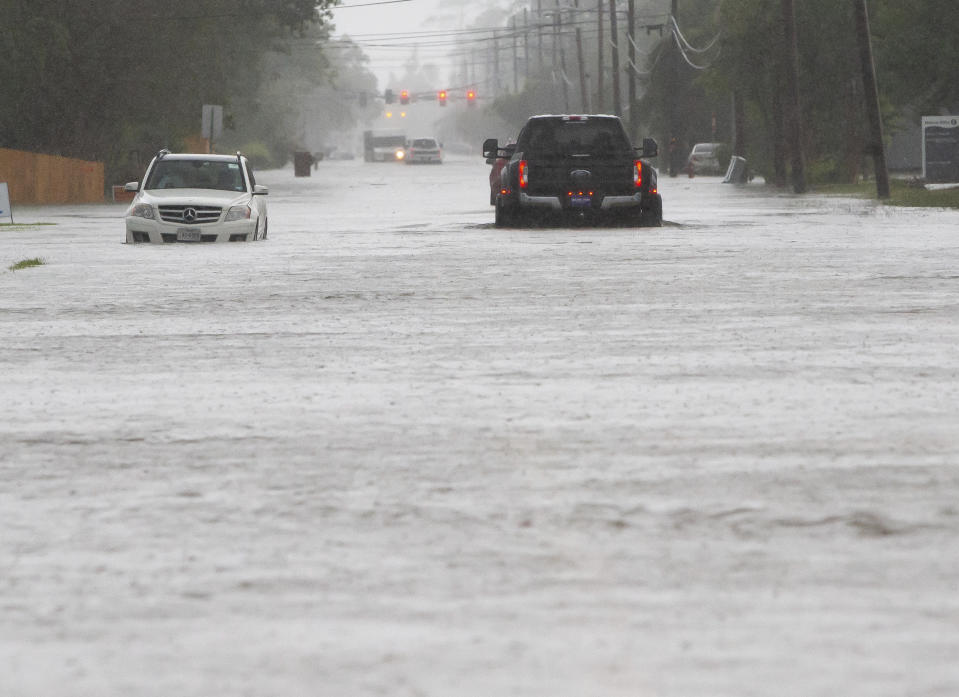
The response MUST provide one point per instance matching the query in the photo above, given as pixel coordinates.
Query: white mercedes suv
(197, 198)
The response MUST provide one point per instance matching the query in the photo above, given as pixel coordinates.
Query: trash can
(736, 174)
(302, 161)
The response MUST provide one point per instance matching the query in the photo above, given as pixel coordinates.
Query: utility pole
(876, 146)
(495, 64)
(673, 71)
(562, 56)
(793, 111)
(584, 92)
(526, 43)
(617, 99)
(515, 57)
(600, 69)
(539, 33)
(631, 53)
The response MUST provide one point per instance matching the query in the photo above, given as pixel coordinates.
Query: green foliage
(918, 67)
(27, 263)
(260, 155)
(903, 193)
(538, 97)
(113, 80)
(917, 52)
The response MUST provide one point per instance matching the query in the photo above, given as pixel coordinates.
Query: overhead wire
(688, 45)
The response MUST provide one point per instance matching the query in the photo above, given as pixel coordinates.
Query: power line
(368, 4)
(689, 46)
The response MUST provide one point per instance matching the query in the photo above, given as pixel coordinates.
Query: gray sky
(400, 17)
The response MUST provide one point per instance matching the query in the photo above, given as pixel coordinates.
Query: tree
(100, 78)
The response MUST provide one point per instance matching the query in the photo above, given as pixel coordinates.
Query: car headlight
(143, 210)
(238, 213)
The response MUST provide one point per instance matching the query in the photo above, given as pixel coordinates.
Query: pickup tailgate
(556, 176)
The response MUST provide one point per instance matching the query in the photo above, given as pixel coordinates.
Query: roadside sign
(940, 148)
(5, 209)
(211, 123)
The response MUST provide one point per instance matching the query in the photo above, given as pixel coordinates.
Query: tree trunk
(794, 130)
(876, 146)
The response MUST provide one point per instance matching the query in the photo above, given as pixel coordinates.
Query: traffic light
(404, 97)
(388, 96)
(442, 97)
(471, 97)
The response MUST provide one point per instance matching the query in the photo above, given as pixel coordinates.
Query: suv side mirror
(490, 146)
(650, 148)
(260, 190)
(131, 186)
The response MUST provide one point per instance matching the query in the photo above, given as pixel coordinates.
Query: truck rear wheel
(504, 217)
(652, 216)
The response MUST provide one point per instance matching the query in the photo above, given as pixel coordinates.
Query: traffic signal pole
(876, 145)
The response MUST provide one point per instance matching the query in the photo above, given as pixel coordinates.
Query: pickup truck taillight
(638, 173)
(523, 174)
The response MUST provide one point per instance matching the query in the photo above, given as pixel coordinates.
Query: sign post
(211, 123)
(6, 211)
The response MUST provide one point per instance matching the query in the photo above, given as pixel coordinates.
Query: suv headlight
(238, 213)
(143, 210)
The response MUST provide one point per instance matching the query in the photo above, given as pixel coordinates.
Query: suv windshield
(196, 174)
(424, 143)
(565, 138)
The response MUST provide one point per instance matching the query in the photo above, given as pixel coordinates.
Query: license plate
(580, 201)
(186, 235)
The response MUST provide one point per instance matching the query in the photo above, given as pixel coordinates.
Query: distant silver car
(704, 159)
(424, 150)
(197, 198)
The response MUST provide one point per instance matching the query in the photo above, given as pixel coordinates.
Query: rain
(397, 449)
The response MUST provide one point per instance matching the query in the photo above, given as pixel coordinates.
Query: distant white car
(424, 150)
(197, 198)
(704, 159)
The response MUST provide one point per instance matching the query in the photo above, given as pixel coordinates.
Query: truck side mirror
(490, 146)
(650, 148)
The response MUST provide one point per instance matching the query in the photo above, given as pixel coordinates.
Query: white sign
(5, 210)
(212, 123)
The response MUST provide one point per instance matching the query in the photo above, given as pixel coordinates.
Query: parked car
(424, 150)
(579, 166)
(197, 198)
(704, 159)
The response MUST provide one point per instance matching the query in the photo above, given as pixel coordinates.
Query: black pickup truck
(576, 166)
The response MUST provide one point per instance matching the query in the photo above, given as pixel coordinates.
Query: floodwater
(395, 451)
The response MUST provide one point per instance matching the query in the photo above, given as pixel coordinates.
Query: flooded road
(395, 451)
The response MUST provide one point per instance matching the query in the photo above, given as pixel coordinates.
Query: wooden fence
(40, 179)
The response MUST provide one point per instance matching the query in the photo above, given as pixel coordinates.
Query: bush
(261, 157)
